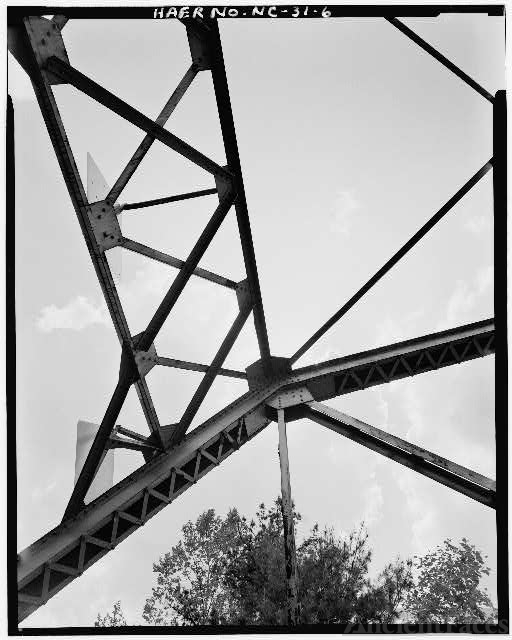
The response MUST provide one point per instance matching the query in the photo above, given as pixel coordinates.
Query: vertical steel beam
(500, 306)
(10, 370)
(227, 124)
(288, 527)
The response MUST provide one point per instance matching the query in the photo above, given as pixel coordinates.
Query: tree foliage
(114, 619)
(231, 571)
(190, 577)
(447, 586)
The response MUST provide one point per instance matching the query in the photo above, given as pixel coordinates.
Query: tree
(232, 571)
(114, 619)
(447, 587)
(189, 578)
(383, 600)
(255, 569)
(332, 574)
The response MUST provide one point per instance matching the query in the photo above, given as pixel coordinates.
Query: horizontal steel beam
(165, 258)
(178, 198)
(413, 241)
(71, 75)
(194, 366)
(117, 442)
(446, 472)
(134, 435)
(385, 364)
(440, 58)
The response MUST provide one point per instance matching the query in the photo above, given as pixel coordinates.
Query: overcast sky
(350, 138)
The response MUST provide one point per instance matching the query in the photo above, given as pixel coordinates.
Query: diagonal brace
(393, 260)
(185, 273)
(159, 256)
(210, 375)
(69, 74)
(440, 58)
(127, 375)
(429, 464)
(146, 143)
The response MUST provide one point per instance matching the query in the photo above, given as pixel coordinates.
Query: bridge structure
(175, 456)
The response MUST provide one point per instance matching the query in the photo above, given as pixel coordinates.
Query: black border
(15, 14)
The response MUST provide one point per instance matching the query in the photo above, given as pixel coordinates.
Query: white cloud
(466, 296)
(345, 206)
(478, 224)
(40, 492)
(77, 314)
(373, 502)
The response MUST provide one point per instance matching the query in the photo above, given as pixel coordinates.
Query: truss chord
(81, 82)
(163, 311)
(146, 143)
(210, 33)
(440, 58)
(440, 469)
(193, 366)
(99, 517)
(159, 256)
(72, 179)
(177, 198)
(392, 261)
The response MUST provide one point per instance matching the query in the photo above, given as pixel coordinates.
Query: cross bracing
(175, 456)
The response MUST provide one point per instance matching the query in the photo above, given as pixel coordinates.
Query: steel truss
(177, 458)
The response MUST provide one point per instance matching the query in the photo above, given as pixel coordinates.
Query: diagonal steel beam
(53, 121)
(127, 375)
(212, 37)
(159, 256)
(194, 366)
(440, 58)
(171, 297)
(109, 519)
(101, 520)
(71, 75)
(393, 260)
(210, 375)
(455, 476)
(145, 145)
